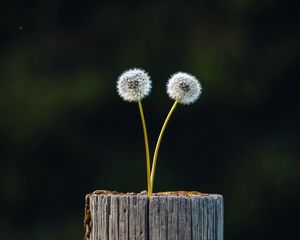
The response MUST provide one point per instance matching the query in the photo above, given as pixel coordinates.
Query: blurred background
(64, 131)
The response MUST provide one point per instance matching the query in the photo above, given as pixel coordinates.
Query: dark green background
(65, 132)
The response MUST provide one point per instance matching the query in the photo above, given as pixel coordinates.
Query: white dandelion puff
(184, 88)
(133, 85)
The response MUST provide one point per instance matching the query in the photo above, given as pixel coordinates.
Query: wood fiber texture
(162, 217)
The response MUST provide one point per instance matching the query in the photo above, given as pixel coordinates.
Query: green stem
(158, 144)
(146, 148)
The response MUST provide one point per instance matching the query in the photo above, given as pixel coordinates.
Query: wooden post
(165, 216)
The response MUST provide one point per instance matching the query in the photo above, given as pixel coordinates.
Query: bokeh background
(64, 131)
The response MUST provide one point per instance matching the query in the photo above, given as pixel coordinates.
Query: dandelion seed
(133, 85)
(183, 88)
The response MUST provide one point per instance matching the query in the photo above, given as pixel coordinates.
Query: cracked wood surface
(164, 217)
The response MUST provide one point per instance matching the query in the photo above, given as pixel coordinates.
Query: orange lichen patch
(180, 193)
(170, 193)
(87, 219)
(107, 192)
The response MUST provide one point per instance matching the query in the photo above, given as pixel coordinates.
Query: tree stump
(165, 216)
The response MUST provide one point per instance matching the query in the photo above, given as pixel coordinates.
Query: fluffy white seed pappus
(184, 88)
(133, 85)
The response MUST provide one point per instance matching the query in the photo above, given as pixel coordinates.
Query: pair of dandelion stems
(150, 178)
(135, 84)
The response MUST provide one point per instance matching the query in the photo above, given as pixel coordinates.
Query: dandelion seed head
(184, 88)
(133, 85)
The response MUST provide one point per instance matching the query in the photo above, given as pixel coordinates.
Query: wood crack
(162, 217)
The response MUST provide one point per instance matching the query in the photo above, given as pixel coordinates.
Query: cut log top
(172, 193)
(177, 215)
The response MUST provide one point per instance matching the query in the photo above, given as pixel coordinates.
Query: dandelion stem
(146, 148)
(158, 144)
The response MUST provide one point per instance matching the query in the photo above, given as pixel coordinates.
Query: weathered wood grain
(194, 217)
(113, 216)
